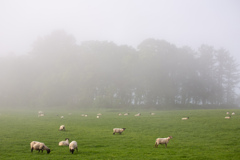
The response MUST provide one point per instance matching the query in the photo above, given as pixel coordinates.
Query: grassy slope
(206, 135)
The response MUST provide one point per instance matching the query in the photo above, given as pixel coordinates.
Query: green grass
(206, 135)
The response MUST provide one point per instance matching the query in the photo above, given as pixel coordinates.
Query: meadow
(206, 135)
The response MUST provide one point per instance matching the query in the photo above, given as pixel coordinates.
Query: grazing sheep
(40, 114)
(73, 146)
(85, 115)
(152, 114)
(39, 146)
(185, 118)
(61, 128)
(64, 143)
(98, 116)
(162, 141)
(119, 114)
(227, 113)
(118, 130)
(233, 113)
(62, 117)
(126, 114)
(139, 114)
(227, 117)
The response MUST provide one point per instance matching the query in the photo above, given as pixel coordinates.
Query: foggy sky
(181, 22)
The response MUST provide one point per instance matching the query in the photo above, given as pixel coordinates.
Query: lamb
(64, 143)
(62, 127)
(162, 141)
(118, 130)
(39, 146)
(73, 146)
(185, 118)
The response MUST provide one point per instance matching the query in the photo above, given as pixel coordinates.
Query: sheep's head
(72, 150)
(48, 151)
(124, 129)
(170, 137)
(66, 138)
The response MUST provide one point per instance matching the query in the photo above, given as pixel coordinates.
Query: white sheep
(119, 114)
(64, 143)
(118, 130)
(35, 145)
(138, 114)
(152, 114)
(126, 114)
(162, 141)
(233, 113)
(73, 146)
(98, 116)
(62, 127)
(227, 117)
(40, 114)
(185, 118)
(227, 113)
(62, 117)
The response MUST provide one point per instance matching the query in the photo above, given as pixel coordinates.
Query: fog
(186, 22)
(114, 53)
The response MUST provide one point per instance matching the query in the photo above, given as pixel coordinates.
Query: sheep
(227, 113)
(62, 127)
(162, 141)
(118, 130)
(98, 116)
(73, 146)
(40, 114)
(35, 145)
(152, 114)
(227, 117)
(64, 143)
(126, 114)
(185, 118)
(139, 114)
(62, 117)
(233, 113)
(119, 114)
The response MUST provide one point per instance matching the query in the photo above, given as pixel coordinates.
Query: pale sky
(180, 22)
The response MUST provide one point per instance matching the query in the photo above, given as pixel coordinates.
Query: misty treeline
(59, 72)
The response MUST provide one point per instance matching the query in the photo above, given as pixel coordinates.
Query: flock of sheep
(35, 145)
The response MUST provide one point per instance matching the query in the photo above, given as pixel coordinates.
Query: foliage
(59, 72)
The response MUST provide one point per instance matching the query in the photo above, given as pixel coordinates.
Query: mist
(114, 54)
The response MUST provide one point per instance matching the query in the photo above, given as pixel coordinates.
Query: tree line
(60, 72)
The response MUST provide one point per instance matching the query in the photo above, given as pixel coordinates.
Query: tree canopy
(59, 72)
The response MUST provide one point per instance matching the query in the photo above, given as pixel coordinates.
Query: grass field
(205, 136)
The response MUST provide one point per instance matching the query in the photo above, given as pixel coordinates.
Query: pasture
(205, 135)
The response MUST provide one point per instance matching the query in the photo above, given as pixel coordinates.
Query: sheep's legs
(165, 145)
